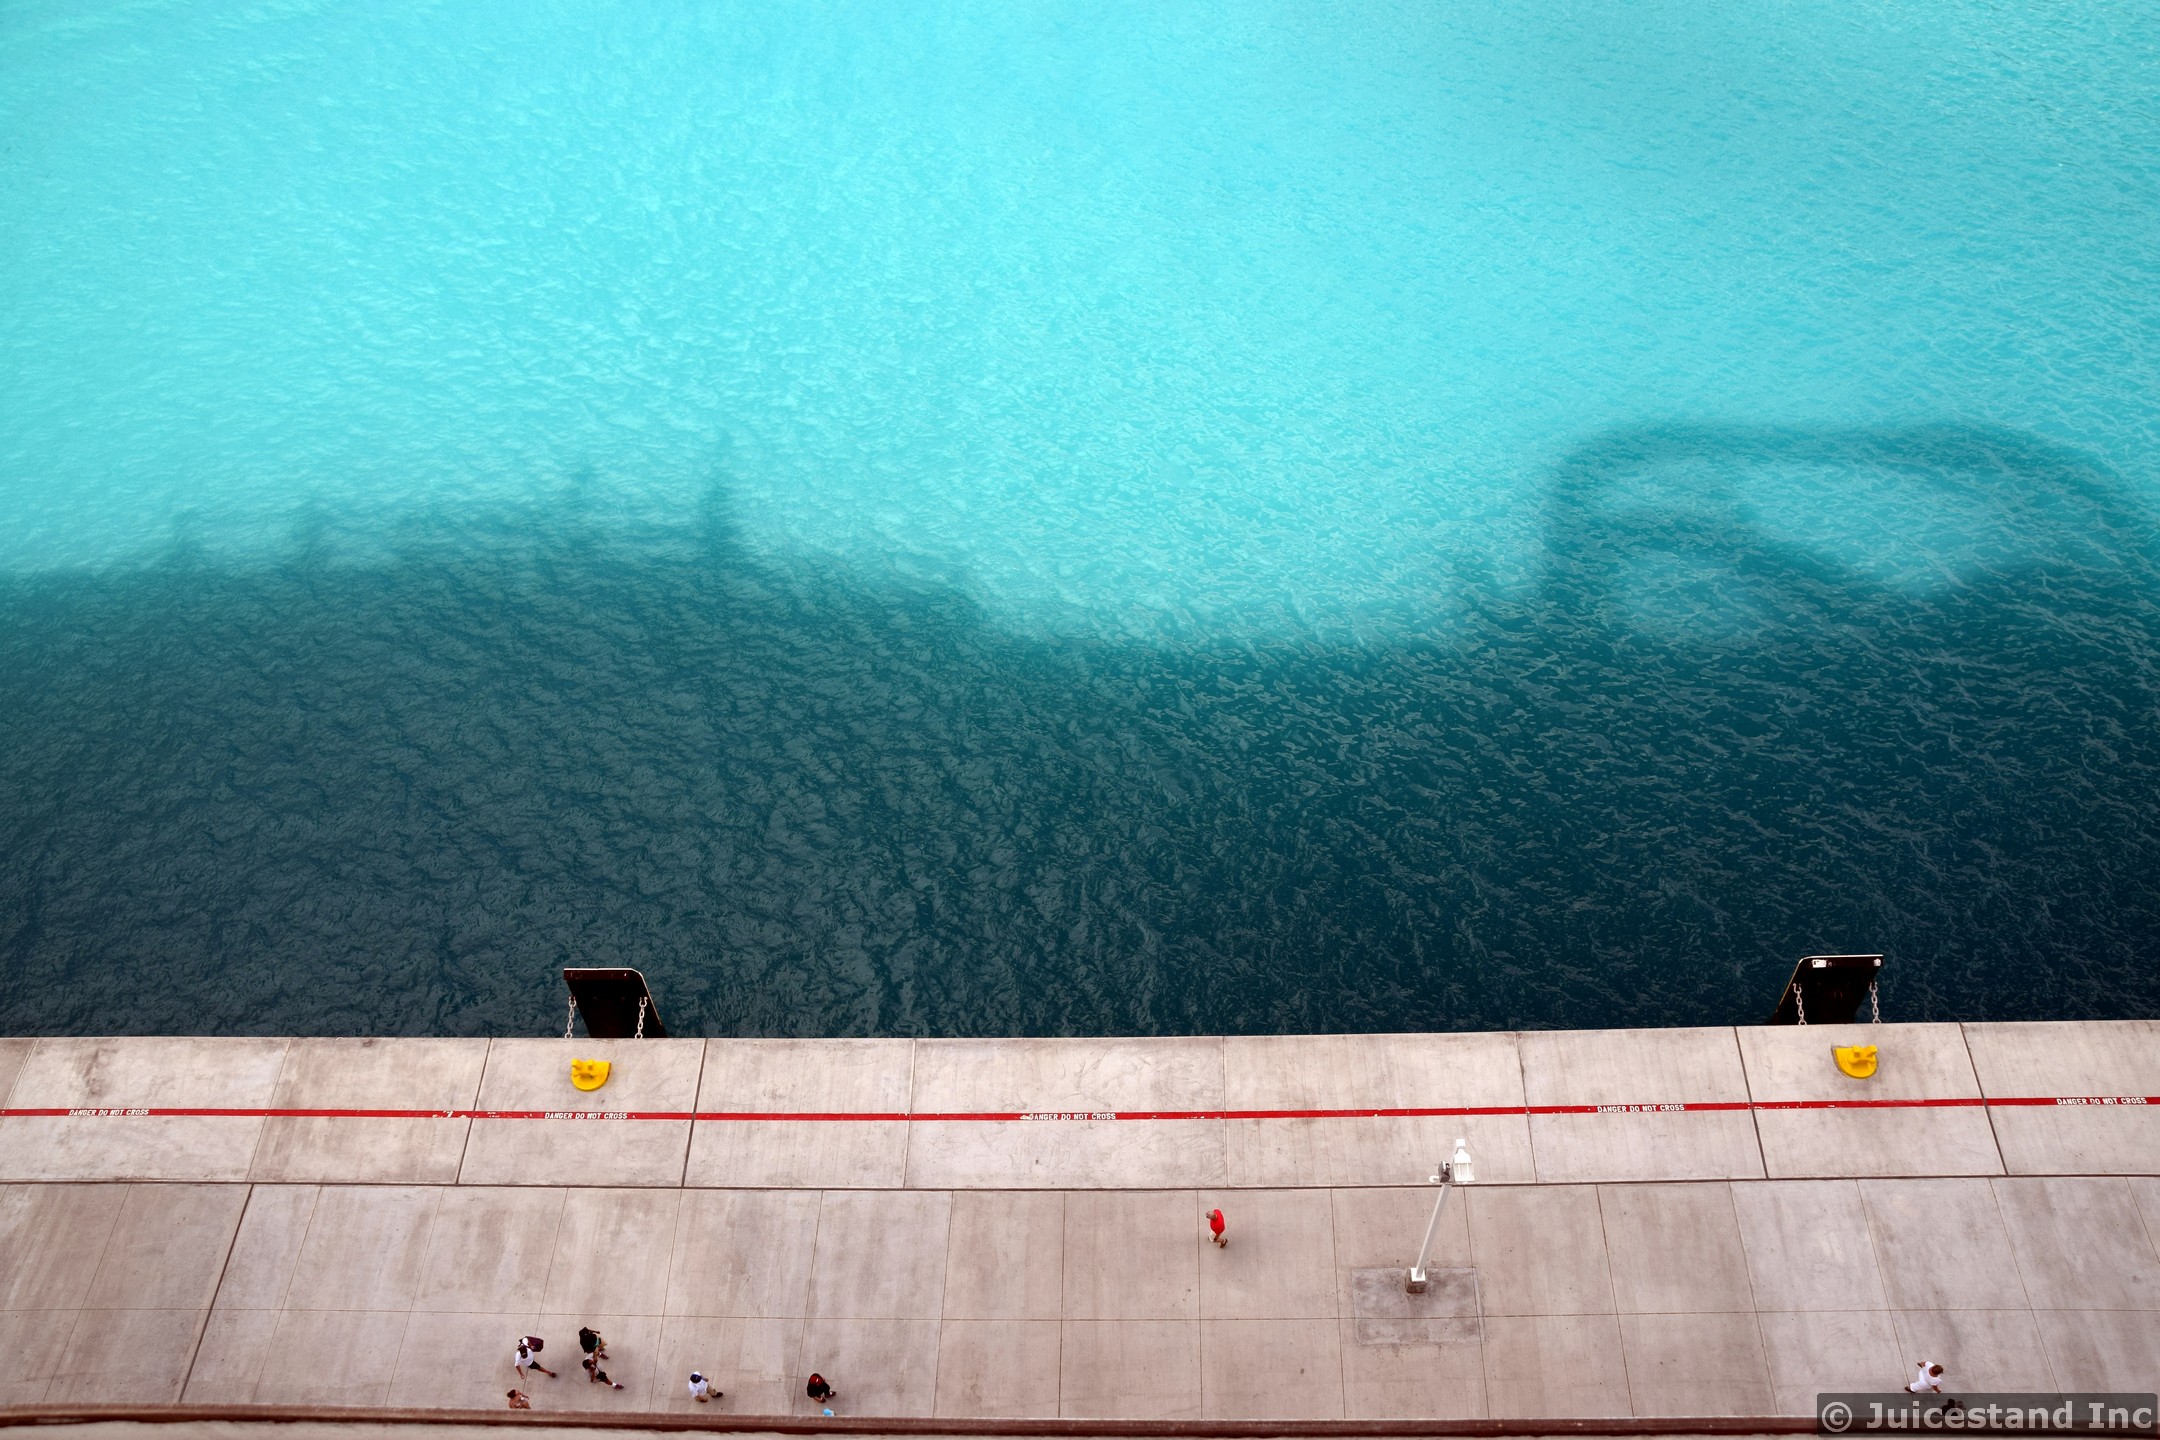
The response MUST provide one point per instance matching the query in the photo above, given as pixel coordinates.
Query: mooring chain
(1799, 1006)
(569, 1025)
(1874, 1003)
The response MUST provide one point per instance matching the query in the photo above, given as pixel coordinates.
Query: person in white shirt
(1927, 1378)
(528, 1357)
(700, 1387)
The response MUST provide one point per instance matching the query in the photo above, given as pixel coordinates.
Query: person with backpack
(528, 1356)
(591, 1341)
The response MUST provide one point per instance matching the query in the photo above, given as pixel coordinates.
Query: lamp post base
(1417, 1282)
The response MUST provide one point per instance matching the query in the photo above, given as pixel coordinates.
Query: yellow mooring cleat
(592, 1074)
(1857, 1061)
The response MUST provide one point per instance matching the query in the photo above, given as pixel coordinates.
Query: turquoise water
(976, 518)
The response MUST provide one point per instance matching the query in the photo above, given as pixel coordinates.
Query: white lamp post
(1456, 1171)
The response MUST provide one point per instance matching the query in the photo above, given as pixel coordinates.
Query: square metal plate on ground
(1447, 1313)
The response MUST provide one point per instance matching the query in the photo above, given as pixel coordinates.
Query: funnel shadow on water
(1886, 688)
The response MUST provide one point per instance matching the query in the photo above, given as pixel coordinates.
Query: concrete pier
(1669, 1222)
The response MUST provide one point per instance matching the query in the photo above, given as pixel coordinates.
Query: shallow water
(1144, 521)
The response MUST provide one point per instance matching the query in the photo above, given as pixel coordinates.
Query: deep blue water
(975, 519)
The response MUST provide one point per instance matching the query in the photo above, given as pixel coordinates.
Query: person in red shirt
(1215, 1228)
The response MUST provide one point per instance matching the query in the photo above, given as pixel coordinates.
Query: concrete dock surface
(1665, 1223)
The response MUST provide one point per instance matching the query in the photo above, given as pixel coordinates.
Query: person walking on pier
(518, 1400)
(1928, 1380)
(591, 1341)
(819, 1391)
(596, 1375)
(1215, 1229)
(700, 1388)
(528, 1356)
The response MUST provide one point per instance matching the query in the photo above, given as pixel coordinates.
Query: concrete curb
(905, 1425)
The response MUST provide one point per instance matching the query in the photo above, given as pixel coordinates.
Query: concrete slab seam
(937, 1368)
(1522, 1087)
(1980, 1086)
(1612, 1289)
(67, 1343)
(202, 1327)
(397, 1361)
(1342, 1351)
(2151, 1239)
(809, 1291)
(1485, 1355)
(1747, 1278)
(2017, 1266)
(299, 1252)
(907, 1139)
(547, 1281)
(1882, 1274)
(1747, 1082)
(675, 1239)
(104, 1248)
(697, 1093)
(480, 1087)
(277, 1083)
(1062, 1200)
(1897, 1311)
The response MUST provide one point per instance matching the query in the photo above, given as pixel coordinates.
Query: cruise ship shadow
(321, 797)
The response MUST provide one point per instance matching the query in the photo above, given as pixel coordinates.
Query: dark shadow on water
(315, 799)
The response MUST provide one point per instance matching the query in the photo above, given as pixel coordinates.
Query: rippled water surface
(1000, 519)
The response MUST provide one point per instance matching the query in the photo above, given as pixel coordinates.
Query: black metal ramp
(610, 998)
(1827, 990)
